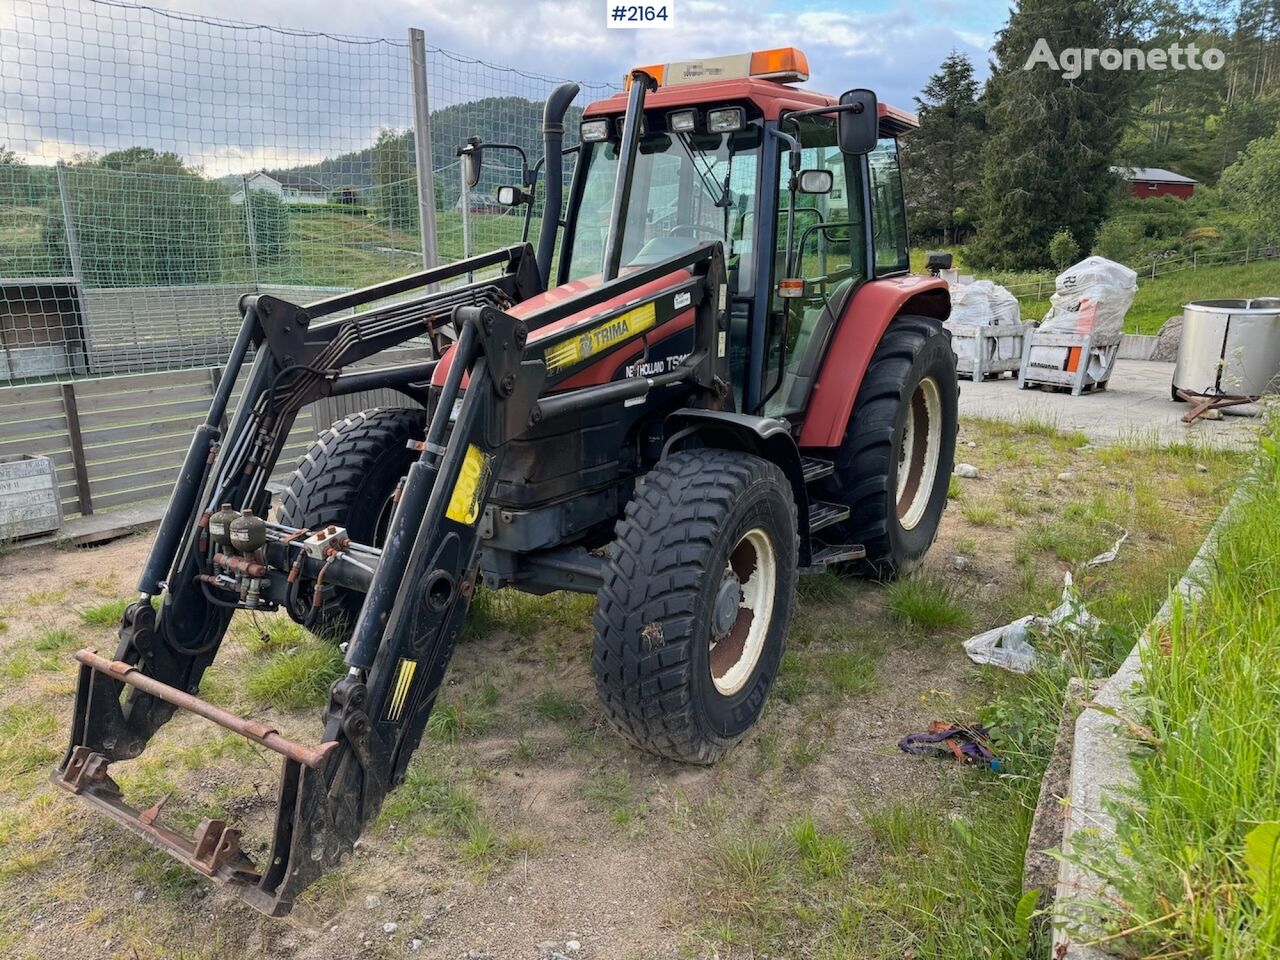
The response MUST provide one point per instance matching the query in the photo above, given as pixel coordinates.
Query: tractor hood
(602, 371)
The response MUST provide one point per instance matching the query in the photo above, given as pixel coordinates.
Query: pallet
(1078, 381)
(986, 362)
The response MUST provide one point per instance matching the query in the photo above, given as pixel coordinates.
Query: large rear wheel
(895, 461)
(697, 596)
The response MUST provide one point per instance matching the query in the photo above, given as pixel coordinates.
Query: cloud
(97, 75)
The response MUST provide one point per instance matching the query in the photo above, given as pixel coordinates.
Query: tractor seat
(816, 325)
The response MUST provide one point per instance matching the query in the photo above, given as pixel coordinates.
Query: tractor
(714, 374)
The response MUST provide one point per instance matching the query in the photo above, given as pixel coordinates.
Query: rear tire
(348, 477)
(895, 462)
(693, 613)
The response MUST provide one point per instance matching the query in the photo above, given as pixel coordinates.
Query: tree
(1253, 184)
(942, 160)
(144, 218)
(270, 225)
(1063, 249)
(395, 187)
(1052, 140)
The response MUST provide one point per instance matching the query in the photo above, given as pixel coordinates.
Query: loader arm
(418, 585)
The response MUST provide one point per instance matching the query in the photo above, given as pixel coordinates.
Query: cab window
(826, 252)
(888, 211)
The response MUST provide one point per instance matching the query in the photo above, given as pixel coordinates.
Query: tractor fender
(766, 437)
(865, 318)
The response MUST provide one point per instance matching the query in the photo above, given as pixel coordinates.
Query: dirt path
(528, 828)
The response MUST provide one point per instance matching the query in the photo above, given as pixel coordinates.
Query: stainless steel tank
(1229, 347)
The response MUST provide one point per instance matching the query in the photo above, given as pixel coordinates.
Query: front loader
(714, 375)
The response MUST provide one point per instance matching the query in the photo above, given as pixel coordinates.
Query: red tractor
(715, 374)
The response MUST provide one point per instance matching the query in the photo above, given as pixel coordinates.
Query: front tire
(697, 597)
(895, 462)
(348, 477)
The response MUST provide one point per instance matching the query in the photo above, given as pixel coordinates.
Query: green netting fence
(155, 165)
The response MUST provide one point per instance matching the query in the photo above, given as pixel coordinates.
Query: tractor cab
(803, 190)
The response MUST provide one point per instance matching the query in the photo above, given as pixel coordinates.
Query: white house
(289, 187)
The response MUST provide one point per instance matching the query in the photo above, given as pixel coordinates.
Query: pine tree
(1045, 164)
(942, 160)
(395, 186)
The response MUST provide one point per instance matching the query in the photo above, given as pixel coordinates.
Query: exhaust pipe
(553, 167)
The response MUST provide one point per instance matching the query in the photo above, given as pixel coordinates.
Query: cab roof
(771, 97)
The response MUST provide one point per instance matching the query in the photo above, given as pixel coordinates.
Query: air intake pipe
(553, 166)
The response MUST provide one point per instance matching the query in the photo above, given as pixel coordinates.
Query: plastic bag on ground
(1010, 646)
(1091, 297)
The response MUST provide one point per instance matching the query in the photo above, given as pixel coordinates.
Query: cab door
(828, 252)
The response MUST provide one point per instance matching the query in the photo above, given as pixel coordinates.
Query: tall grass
(1199, 874)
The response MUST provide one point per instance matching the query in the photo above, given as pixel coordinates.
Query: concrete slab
(100, 527)
(1135, 406)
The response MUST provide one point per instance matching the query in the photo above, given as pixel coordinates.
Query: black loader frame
(418, 585)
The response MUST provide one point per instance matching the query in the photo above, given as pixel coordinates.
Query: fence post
(249, 231)
(422, 149)
(466, 211)
(77, 449)
(77, 270)
(1195, 259)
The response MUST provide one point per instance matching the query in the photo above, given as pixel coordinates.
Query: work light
(593, 131)
(726, 120)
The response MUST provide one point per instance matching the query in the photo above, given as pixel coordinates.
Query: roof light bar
(785, 65)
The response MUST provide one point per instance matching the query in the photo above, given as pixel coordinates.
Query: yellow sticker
(464, 502)
(400, 694)
(600, 338)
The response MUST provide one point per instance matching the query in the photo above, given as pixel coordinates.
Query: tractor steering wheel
(693, 228)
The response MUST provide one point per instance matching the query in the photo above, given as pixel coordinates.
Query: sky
(96, 75)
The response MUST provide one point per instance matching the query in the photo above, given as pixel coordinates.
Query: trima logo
(1074, 61)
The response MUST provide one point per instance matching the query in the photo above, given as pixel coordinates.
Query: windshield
(687, 189)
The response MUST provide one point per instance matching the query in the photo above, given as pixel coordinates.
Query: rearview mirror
(512, 196)
(858, 126)
(470, 154)
(815, 181)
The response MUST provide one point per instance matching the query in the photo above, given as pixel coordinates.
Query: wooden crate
(29, 501)
(1102, 348)
(984, 343)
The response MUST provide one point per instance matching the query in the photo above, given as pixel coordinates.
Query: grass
(556, 707)
(852, 672)
(55, 640)
(1203, 835)
(295, 678)
(29, 735)
(927, 602)
(106, 614)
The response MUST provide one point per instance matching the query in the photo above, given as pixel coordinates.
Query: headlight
(726, 120)
(592, 131)
(682, 121)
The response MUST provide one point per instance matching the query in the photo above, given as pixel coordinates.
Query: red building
(1154, 182)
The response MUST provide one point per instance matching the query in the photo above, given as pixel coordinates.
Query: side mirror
(815, 181)
(512, 196)
(935, 262)
(470, 152)
(858, 126)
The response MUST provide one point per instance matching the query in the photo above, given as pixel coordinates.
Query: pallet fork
(417, 594)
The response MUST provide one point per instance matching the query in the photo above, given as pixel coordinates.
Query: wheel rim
(918, 454)
(739, 630)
